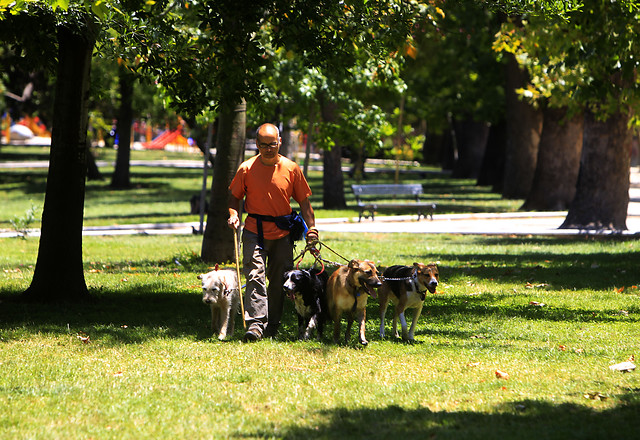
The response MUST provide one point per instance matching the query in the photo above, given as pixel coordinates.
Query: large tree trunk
(358, 160)
(554, 183)
(58, 274)
(524, 124)
(288, 139)
(309, 143)
(492, 169)
(332, 178)
(602, 194)
(93, 172)
(217, 242)
(437, 149)
(121, 178)
(471, 137)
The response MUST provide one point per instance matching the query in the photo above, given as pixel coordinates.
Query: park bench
(371, 198)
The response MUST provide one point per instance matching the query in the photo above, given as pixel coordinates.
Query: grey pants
(263, 305)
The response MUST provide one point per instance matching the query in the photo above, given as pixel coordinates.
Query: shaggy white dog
(220, 291)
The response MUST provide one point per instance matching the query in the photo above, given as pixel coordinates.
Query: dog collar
(415, 284)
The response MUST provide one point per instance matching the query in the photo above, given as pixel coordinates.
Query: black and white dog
(306, 288)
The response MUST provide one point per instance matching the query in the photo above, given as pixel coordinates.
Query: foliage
(588, 60)
(22, 224)
(451, 71)
(545, 8)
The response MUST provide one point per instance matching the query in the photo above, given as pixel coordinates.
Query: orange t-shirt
(268, 190)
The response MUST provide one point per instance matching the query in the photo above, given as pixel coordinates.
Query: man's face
(268, 144)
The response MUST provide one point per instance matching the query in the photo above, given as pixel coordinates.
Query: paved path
(518, 223)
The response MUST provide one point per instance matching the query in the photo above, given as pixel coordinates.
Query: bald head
(267, 130)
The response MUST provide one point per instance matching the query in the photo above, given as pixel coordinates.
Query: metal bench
(390, 192)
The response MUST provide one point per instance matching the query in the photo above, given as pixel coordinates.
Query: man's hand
(312, 237)
(233, 221)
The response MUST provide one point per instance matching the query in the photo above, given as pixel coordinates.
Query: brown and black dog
(406, 288)
(347, 291)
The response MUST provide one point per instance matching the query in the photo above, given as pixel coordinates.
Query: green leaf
(99, 8)
(63, 4)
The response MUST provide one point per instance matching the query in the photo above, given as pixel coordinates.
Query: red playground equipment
(167, 137)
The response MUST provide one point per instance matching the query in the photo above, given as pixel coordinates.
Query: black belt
(291, 222)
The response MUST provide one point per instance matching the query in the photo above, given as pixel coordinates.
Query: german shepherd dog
(406, 287)
(347, 291)
(306, 288)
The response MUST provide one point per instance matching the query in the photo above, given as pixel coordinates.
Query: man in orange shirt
(267, 182)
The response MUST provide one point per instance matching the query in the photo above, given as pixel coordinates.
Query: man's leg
(255, 297)
(280, 259)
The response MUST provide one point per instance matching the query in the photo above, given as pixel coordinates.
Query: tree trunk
(524, 124)
(450, 151)
(602, 194)
(93, 172)
(288, 139)
(432, 148)
(58, 274)
(217, 242)
(471, 137)
(437, 149)
(309, 143)
(121, 178)
(554, 182)
(358, 160)
(332, 178)
(492, 169)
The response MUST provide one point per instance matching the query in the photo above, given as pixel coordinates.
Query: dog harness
(357, 291)
(413, 283)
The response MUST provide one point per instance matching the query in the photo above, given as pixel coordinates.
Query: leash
(315, 252)
(235, 246)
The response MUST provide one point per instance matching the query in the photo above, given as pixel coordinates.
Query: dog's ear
(354, 264)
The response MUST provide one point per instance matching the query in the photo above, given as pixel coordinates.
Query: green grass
(161, 195)
(152, 370)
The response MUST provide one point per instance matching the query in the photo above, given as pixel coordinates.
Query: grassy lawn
(140, 362)
(161, 195)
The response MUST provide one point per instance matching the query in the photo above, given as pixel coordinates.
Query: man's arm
(310, 219)
(234, 208)
(307, 213)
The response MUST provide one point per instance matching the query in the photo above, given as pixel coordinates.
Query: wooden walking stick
(235, 245)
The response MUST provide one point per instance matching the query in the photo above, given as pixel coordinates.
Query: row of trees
(326, 61)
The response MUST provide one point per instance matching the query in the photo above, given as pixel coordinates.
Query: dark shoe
(271, 331)
(252, 335)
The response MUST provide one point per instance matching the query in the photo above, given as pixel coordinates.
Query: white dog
(220, 291)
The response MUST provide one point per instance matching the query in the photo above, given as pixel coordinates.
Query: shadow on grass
(148, 312)
(519, 420)
(482, 306)
(27, 181)
(540, 260)
(124, 317)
